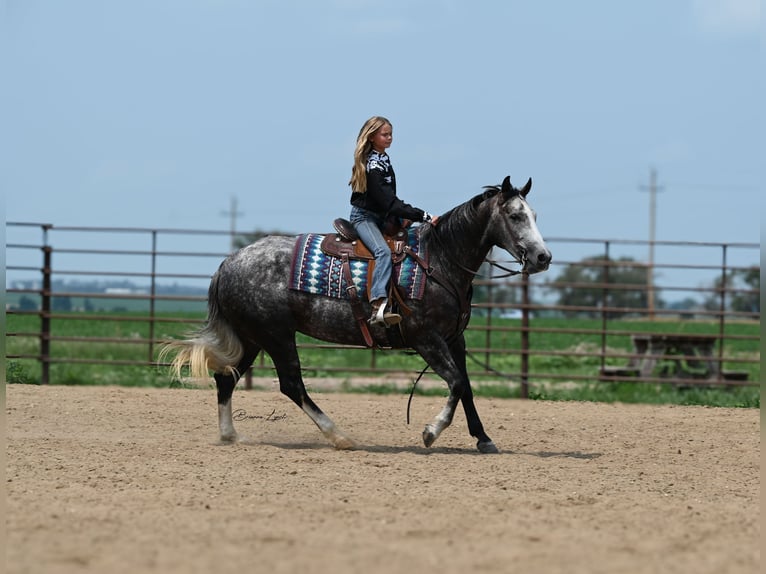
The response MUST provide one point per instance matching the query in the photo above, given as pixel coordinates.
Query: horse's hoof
(344, 443)
(487, 447)
(229, 439)
(428, 436)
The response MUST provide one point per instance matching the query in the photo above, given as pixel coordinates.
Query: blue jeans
(367, 225)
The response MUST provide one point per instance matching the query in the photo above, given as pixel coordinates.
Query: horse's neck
(461, 248)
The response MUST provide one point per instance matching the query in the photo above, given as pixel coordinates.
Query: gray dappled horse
(251, 308)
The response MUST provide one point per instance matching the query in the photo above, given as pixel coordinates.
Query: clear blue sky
(154, 113)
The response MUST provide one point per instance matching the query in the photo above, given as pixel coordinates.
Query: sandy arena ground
(125, 480)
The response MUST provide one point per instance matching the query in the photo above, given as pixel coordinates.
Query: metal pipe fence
(593, 298)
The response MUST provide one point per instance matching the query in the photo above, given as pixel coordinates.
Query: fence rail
(76, 252)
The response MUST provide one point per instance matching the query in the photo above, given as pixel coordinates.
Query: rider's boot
(382, 317)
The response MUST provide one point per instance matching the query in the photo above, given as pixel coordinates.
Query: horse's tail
(214, 347)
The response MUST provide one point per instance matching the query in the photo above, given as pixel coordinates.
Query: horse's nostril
(544, 257)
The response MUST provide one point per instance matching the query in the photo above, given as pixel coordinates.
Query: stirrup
(381, 317)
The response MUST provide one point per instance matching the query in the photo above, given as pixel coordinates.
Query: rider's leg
(367, 226)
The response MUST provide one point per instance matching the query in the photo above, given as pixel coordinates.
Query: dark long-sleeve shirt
(380, 196)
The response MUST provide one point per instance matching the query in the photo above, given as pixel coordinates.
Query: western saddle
(346, 245)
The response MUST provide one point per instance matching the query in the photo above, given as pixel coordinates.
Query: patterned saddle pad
(313, 271)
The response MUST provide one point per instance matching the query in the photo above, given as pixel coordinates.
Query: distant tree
(685, 304)
(748, 302)
(502, 292)
(27, 304)
(581, 285)
(746, 299)
(61, 304)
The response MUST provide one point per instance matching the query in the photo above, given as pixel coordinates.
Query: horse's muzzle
(538, 263)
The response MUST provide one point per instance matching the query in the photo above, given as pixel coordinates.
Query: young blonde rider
(373, 200)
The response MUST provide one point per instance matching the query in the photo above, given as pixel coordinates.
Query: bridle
(509, 272)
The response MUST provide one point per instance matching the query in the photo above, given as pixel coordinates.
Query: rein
(509, 272)
(430, 273)
(445, 282)
(423, 372)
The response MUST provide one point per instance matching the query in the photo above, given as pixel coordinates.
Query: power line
(653, 189)
(727, 187)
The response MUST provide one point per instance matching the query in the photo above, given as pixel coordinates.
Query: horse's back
(252, 291)
(269, 255)
(256, 274)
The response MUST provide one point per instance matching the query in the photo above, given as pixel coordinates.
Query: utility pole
(652, 189)
(233, 214)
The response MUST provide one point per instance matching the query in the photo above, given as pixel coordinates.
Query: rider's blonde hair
(358, 180)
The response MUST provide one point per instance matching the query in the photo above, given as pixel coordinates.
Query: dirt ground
(125, 480)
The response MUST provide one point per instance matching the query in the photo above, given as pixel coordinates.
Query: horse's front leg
(483, 442)
(449, 363)
(439, 357)
(475, 427)
(441, 422)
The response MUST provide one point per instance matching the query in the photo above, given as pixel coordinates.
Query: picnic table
(674, 356)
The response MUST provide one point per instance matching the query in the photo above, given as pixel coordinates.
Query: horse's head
(514, 227)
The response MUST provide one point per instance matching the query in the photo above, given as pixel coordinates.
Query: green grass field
(549, 374)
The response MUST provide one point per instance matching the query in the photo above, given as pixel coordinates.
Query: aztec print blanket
(313, 271)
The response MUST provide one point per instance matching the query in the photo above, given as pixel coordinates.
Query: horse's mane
(454, 222)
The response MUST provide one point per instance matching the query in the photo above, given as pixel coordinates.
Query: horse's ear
(508, 191)
(506, 187)
(527, 186)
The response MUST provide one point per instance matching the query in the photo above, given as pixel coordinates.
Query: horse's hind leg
(288, 368)
(225, 384)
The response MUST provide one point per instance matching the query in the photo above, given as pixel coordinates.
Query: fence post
(524, 335)
(488, 332)
(152, 293)
(722, 312)
(604, 304)
(45, 313)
